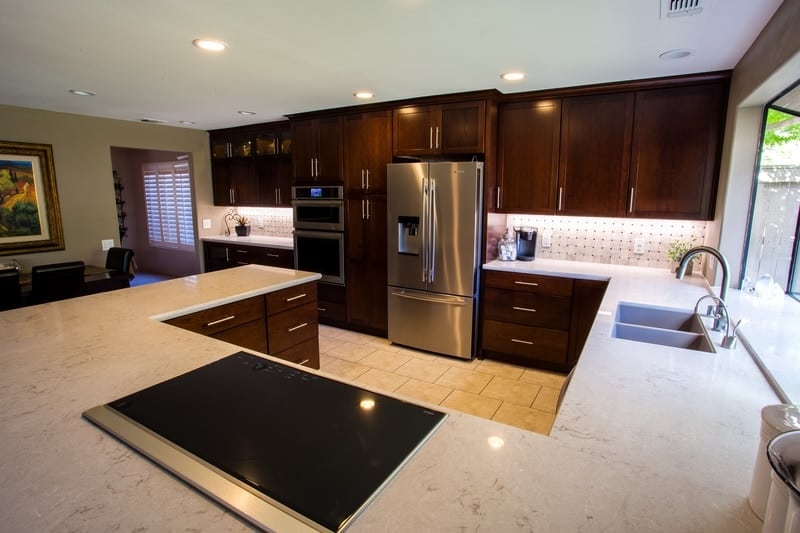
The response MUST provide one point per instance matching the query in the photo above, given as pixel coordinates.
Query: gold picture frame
(30, 215)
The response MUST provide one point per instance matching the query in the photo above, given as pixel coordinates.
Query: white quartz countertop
(254, 240)
(649, 438)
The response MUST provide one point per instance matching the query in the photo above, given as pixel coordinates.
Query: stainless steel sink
(667, 326)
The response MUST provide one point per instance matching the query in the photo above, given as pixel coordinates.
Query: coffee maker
(526, 243)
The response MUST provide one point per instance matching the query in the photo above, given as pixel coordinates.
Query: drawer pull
(532, 284)
(296, 297)
(520, 341)
(322, 309)
(220, 321)
(242, 251)
(304, 361)
(304, 324)
(529, 310)
(273, 255)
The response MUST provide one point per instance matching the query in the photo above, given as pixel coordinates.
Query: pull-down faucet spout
(723, 290)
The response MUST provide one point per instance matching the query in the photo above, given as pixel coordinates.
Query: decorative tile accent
(272, 221)
(610, 240)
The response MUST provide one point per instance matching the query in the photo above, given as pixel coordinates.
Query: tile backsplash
(272, 221)
(610, 240)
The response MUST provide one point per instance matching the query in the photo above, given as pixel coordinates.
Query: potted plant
(676, 251)
(242, 227)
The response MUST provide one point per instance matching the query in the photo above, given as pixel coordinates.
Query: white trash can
(783, 504)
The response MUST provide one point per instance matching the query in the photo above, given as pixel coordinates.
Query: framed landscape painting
(30, 216)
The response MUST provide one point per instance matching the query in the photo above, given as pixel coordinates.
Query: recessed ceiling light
(210, 45)
(513, 76)
(246, 112)
(81, 92)
(678, 53)
(187, 122)
(152, 120)
(364, 94)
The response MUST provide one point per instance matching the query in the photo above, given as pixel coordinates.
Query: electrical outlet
(206, 223)
(638, 246)
(547, 240)
(107, 244)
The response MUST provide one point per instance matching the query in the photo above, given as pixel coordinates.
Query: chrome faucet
(723, 290)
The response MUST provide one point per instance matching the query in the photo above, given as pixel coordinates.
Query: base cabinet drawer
(527, 309)
(250, 335)
(292, 327)
(525, 342)
(222, 317)
(306, 353)
(532, 283)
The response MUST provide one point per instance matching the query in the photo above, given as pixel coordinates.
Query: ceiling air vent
(681, 8)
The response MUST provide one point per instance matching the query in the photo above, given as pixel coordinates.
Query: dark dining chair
(10, 294)
(56, 281)
(119, 259)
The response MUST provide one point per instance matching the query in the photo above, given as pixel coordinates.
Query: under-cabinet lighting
(81, 92)
(246, 112)
(678, 53)
(187, 122)
(364, 94)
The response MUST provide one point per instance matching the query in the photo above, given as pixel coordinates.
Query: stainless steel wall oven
(318, 214)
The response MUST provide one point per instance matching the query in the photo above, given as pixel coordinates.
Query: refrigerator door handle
(432, 267)
(450, 300)
(425, 224)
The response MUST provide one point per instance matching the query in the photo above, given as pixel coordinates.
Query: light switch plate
(638, 246)
(547, 240)
(206, 223)
(107, 244)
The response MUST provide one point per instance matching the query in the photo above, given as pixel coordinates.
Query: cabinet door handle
(293, 298)
(430, 139)
(527, 309)
(497, 200)
(560, 197)
(220, 321)
(322, 309)
(362, 209)
(367, 171)
(532, 284)
(368, 210)
(312, 167)
(630, 205)
(520, 341)
(304, 324)
(437, 138)
(316, 167)
(277, 201)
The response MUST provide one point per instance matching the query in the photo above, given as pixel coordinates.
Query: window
(772, 252)
(168, 200)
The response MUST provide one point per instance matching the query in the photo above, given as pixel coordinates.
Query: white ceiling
(292, 56)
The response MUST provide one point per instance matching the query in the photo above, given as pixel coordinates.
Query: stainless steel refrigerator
(434, 244)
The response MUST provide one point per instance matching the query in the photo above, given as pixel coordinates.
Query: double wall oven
(318, 216)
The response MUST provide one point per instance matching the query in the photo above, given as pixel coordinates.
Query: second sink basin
(667, 326)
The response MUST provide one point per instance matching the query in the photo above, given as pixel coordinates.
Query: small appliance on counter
(526, 243)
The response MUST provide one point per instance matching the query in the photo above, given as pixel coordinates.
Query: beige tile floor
(505, 393)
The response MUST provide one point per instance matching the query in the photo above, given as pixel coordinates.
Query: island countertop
(648, 438)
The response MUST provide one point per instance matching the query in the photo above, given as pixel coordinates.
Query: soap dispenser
(507, 247)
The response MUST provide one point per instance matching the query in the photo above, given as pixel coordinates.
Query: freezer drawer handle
(304, 324)
(432, 299)
(528, 309)
(220, 321)
(296, 297)
(532, 284)
(521, 341)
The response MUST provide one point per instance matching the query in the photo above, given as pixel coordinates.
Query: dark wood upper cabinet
(676, 151)
(367, 151)
(453, 128)
(527, 158)
(595, 154)
(317, 150)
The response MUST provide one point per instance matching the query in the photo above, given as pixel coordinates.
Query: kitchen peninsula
(649, 438)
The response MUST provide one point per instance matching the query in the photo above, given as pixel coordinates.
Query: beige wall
(769, 67)
(82, 157)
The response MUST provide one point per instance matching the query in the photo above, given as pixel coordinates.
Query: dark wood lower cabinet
(221, 255)
(536, 320)
(332, 306)
(283, 324)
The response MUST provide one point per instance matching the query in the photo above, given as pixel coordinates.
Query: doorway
(160, 230)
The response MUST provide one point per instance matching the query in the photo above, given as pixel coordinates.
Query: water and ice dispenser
(408, 235)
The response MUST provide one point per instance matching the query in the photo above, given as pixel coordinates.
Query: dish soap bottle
(507, 247)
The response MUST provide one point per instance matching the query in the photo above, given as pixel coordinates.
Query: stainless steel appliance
(434, 243)
(318, 214)
(286, 449)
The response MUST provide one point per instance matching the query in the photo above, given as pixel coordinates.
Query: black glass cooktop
(319, 447)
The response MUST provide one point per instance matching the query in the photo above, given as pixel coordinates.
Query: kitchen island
(649, 438)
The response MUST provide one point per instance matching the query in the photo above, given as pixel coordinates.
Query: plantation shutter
(168, 200)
